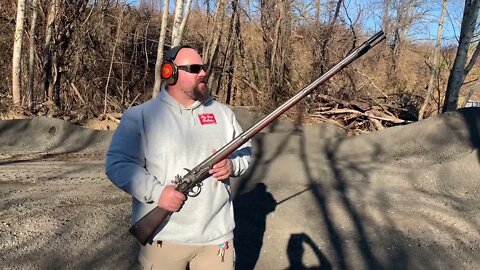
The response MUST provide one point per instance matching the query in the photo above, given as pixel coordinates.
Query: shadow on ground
(404, 198)
(386, 200)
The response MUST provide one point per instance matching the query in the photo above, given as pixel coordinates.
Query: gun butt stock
(144, 229)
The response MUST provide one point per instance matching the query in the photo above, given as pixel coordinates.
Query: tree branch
(473, 60)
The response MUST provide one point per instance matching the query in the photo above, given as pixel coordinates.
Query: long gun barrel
(146, 227)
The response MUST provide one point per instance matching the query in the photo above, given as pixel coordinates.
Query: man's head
(184, 72)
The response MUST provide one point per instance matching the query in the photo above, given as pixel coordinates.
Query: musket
(145, 228)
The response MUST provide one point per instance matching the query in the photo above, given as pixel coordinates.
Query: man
(156, 141)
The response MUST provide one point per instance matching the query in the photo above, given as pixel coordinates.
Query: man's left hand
(222, 170)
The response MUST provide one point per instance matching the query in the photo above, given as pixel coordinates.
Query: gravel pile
(404, 198)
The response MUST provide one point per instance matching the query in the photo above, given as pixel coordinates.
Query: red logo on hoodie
(207, 118)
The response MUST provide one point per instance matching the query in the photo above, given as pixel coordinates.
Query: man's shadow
(295, 251)
(251, 210)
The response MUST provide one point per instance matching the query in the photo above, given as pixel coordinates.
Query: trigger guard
(195, 191)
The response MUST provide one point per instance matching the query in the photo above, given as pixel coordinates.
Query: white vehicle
(472, 103)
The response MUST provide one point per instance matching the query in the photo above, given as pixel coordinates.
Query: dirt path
(404, 198)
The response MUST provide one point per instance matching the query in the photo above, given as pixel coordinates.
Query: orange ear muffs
(169, 71)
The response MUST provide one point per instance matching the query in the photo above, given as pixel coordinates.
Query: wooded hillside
(88, 59)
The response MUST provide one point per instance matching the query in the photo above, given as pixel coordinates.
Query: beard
(199, 92)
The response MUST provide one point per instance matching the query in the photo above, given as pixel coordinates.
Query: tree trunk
(245, 71)
(459, 71)
(117, 38)
(386, 19)
(471, 90)
(224, 90)
(212, 46)
(434, 70)
(145, 50)
(276, 25)
(17, 53)
(177, 20)
(31, 60)
(47, 50)
(406, 14)
(322, 55)
(180, 20)
(186, 13)
(67, 15)
(161, 43)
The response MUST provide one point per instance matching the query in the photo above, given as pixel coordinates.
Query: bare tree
(115, 44)
(17, 53)
(149, 11)
(434, 69)
(31, 54)
(471, 90)
(180, 19)
(47, 49)
(276, 27)
(211, 50)
(225, 79)
(184, 19)
(405, 17)
(459, 70)
(398, 18)
(62, 21)
(257, 51)
(216, 33)
(322, 56)
(385, 16)
(182, 12)
(317, 10)
(161, 43)
(243, 74)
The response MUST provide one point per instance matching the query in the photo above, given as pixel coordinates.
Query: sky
(423, 30)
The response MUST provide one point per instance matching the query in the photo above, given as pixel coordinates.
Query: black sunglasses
(193, 68)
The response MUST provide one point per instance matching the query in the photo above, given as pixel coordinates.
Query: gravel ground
(404, 198)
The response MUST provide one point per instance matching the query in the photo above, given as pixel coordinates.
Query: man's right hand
(171, 199)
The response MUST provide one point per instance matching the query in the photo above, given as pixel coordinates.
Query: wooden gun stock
(145, 228)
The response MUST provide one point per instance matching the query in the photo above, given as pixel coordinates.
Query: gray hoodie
(158, 140)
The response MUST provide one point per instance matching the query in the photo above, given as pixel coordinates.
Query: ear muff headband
(169, 71)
